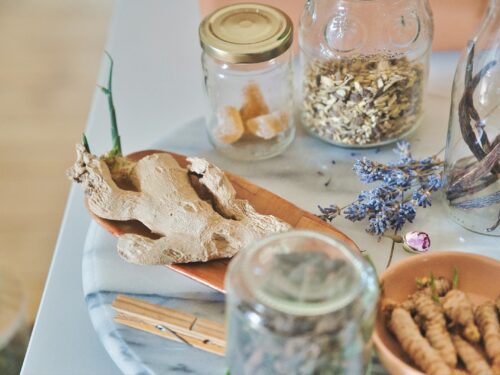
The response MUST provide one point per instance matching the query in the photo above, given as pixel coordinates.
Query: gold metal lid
(246, 33)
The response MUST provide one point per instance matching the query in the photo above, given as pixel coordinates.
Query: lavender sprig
(404, 185)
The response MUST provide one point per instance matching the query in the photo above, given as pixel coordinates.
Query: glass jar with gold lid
(248, 79)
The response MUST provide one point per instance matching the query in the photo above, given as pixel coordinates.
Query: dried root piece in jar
(497, 304)
(434, 324)
(458, 308)
(473, 360)
(487, 320)
(268, 126)
(254, 104)
(415, 345)
(229, 125)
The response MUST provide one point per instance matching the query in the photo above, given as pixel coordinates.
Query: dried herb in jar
(362, 101)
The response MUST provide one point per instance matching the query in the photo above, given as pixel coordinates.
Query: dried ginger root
(473, 360)
(267, 126)
(415, 345)
(434, 324)
(254, 104)
(487, 320)
(166, 202)
(229, 127)
(458, 308)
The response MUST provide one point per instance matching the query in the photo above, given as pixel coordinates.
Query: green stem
(108, 91)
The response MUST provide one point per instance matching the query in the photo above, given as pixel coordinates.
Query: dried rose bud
(416, 242)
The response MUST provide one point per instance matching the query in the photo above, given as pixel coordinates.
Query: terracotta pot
(454, 20)
(478, 276)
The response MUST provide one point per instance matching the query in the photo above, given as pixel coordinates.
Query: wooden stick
(172, 324)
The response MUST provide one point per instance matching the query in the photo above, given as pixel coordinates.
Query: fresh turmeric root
(415, 345)
(438, 286)
(458, 308)
(473, 360)
(434, 324)
(487, 320)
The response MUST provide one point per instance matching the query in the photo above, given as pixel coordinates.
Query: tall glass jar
(299, 303)
(248, 78)
(364, 69)
(472, 168)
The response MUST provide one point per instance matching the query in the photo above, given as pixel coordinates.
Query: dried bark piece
(165, 201)
(487, 320)
(229, 125)
(268, 126)
(473, 360)
(458, 308)
(254, 104)
(415, 345)
(434, 324)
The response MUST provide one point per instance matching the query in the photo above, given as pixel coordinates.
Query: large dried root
(434, 324)
(165, 201)
(487, 320)
(473, 360)
(415, 345)
(458, 308)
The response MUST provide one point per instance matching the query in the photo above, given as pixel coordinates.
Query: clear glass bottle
(472, 167)
(364, 69)
(248, 78)
(299, 303)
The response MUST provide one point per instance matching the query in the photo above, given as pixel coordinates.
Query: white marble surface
(157, 89)
(294, 175)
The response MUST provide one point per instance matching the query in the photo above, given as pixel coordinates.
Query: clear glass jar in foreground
(364, 69)
(472, 168)
(299, 303)
(14, 333)
(248, 80)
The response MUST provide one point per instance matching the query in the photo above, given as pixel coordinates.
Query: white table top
(157, 86)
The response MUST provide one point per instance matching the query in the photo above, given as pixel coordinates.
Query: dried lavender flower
(404, 185)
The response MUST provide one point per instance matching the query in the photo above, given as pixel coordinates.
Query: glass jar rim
(297, 308)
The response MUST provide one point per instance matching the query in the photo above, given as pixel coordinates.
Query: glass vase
(472, 168)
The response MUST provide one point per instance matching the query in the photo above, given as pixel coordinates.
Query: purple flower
(403, 149)
(329, 213)
(418, 242)
(402, 187)
(367, 170)
(422, 198)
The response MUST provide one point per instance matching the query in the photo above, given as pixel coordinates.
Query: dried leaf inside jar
(362, 101)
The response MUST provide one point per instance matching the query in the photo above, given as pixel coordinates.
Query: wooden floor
(49, 57)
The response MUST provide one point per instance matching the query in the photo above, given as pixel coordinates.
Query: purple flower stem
(393, 246)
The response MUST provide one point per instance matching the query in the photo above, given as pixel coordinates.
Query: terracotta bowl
(479, 277)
